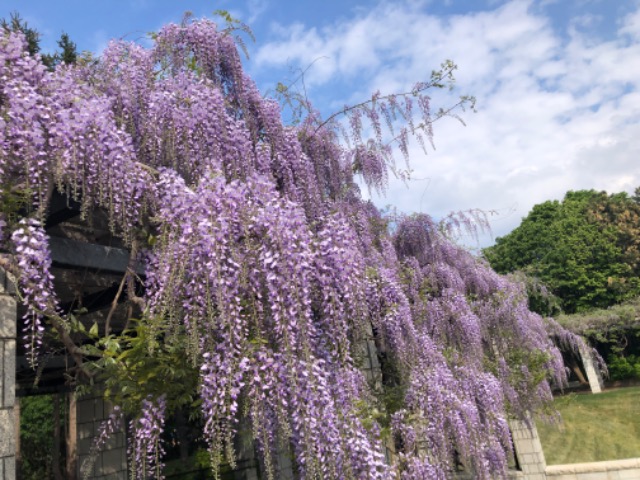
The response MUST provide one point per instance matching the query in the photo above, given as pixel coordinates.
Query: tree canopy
(264, 268)
(585, 248)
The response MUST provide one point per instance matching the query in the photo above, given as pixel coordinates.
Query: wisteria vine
(269, 265)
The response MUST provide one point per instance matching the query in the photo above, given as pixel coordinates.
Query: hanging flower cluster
(145, 449)
(270, 267)
(113, 423)
(36, 282)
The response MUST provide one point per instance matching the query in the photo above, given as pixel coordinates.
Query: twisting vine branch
(439, 79)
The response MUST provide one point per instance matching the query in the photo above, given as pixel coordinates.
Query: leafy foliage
(265, 270)
(585, 249)
(615, 332)
(624, 367)
(67, 56)
(36, 436)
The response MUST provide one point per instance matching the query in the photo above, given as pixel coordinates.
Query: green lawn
(595, 428)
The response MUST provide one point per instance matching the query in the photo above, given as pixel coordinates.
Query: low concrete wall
(610, 470)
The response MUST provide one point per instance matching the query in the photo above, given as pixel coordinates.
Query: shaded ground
(595, 428)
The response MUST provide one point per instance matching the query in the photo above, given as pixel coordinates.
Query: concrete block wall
(528, 450)
(246, 462)
(111, 462)
(593, 375)
(367, 358)
(7, 379)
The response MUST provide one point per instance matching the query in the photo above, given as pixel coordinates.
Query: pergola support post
(593, 375)
(528, 449)
(7, 379)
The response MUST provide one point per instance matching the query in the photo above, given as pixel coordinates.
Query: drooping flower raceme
(36, 282)
(146, 449)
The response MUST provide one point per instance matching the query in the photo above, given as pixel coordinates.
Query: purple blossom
(36, 282)
(145, 447)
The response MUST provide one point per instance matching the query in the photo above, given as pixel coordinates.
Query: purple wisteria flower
(145, 447)
(35, 281)
(263, 258)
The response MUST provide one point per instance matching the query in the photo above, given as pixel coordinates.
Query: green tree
(17, 24)
(67, 55)
(529, 243)
(585, 249)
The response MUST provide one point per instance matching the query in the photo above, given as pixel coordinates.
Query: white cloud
(558, 111)
(256, 9)
(631, 25)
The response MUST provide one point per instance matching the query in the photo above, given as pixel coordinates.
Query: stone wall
(7, 379)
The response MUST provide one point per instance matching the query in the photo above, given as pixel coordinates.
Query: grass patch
(598, 427)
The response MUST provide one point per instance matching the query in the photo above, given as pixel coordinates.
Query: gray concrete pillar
(7, 380)
(593, 375)
(528, 450)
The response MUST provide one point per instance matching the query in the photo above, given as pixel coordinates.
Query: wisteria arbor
(263, 268)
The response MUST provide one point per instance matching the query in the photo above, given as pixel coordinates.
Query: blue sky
(557, 82)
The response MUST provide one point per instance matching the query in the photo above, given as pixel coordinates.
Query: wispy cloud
(256, 9)
(558, 110)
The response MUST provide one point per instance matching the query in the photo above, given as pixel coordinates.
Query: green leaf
(94, 330)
